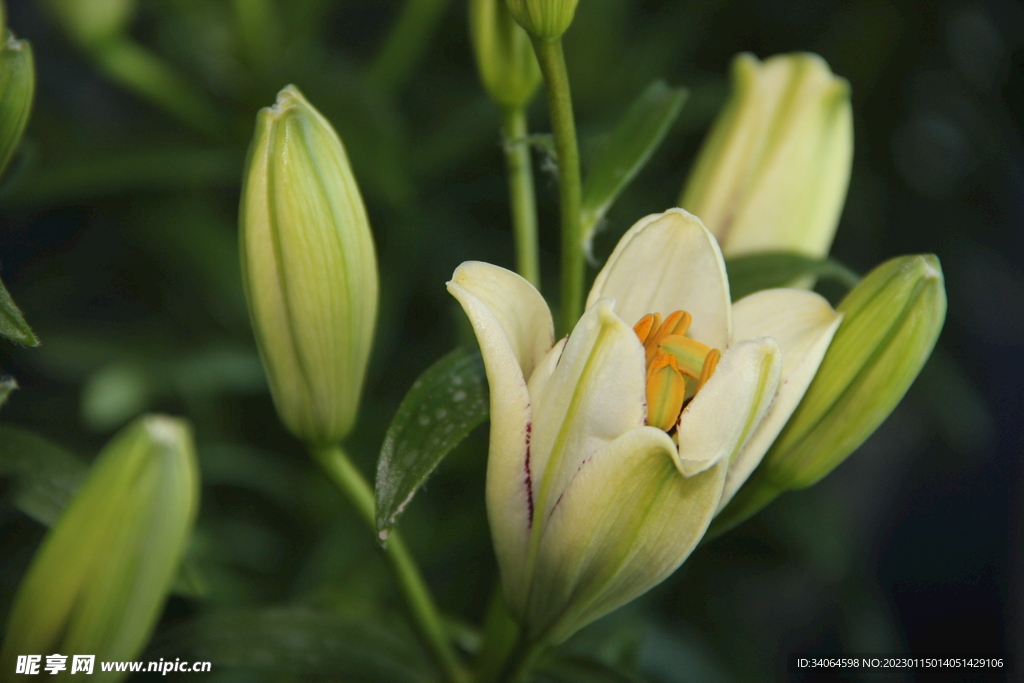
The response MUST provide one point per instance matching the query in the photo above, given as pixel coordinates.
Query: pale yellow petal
(720, 419)
(626, 521)
(596, 393)
(669, 262)
(514, 330)
(803, 324)
(517, 305)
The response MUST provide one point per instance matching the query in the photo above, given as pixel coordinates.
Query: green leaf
(579, 670)
(12, 323)
(45, 475)
(444, 405)
(300, 644)
(765, 270)
(629, 147)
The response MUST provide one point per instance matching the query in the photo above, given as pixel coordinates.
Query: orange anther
(666, 392)
(683, 326)
(708, 369)
(644, 326)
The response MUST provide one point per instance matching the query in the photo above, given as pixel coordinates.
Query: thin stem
(522, 660)
(406, 42)
(500, 636)
(521, 195)
(556, 81)
(352, 483)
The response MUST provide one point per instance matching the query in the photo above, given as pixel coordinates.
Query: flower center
(677, 366)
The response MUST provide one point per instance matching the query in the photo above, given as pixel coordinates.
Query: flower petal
(626, 521)
(803, 324)
(721, 418)
(595, 394)
(516, 304)
(514, 329)
(669, 262)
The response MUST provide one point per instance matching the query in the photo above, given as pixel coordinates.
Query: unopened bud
(544, 19)
(99, 580)
(504, 56)
(309, 268)
(773, 172)
(891, 322)
(17, 87)
(91, 22)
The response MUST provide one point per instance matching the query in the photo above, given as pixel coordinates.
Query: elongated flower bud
(544, 19)
(98, 583)
(309, 269)
(504, 56)
(773, 172)
(892, 320)
(17, 87)
(90, 22)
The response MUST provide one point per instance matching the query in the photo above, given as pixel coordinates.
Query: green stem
(500, 636)
(522, 660)
(351, 481)
(406, 42)
(556, 81)
(521, 195)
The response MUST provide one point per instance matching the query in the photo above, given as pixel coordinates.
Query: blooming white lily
(610, 450)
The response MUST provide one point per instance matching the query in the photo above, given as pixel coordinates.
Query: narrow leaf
(12, 323)
(300, 643)
(444, 405)
(45, 475)
(7, 385)
(765, 270)
(629, 147)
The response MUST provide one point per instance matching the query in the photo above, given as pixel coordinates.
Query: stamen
(677, 366)
(689, 353)
(683, 326)
(665, 329)
(710, 363)
(666, 391)
(643, 328)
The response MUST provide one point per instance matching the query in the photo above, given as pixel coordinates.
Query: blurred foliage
(117, 233)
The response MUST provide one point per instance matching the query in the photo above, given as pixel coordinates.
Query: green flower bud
(772, 174)
(891, 322)
(309, 269)
(90, 22)
(504, 56)
(17, 86)
(98, 582)
(544, 19)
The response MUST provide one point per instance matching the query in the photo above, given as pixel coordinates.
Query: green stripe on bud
(504, 56)
(773, 172)
(891, 322)
(98, 582)
(543, 19)
(309, 268)
(17, 87)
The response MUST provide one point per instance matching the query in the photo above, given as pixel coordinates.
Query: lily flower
(612, 450)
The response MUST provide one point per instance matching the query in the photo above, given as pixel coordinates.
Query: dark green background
(117, 238)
